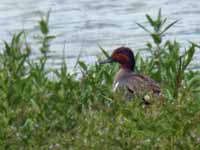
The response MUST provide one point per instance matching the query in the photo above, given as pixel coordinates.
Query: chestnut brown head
(124, 56)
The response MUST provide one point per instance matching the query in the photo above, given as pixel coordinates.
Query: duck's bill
(108, 60)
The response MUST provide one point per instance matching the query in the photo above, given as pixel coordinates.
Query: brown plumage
(126, 79)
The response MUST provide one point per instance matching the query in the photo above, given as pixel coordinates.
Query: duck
(127, 80)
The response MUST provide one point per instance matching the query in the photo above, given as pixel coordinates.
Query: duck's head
(124, 56)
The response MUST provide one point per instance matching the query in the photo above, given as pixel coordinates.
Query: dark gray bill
(108, 60)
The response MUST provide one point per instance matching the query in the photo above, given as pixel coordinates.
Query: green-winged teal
(126, 79)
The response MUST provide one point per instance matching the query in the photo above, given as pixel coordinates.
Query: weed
(40, 113)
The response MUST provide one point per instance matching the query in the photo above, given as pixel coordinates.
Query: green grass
(66, 113)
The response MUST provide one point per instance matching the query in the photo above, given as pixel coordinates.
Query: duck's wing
(142, 84)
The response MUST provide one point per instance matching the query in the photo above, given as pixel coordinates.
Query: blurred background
(82, 25)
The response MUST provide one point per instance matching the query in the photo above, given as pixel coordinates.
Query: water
(83, 24)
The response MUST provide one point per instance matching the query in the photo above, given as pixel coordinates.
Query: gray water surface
(83, 24)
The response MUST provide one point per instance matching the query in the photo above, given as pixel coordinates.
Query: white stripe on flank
(115, 86)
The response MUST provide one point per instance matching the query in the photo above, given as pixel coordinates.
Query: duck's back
(135, 83)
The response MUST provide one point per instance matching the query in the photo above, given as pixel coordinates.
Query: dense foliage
(38, 112)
